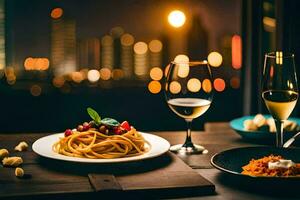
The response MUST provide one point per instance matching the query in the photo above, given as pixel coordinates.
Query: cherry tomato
(86, 127)
(126, 125)
(68, 132)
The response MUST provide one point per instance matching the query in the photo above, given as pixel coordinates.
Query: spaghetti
(94, 144)
(260, 167)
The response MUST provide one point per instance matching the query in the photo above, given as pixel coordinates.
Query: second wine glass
(279, 88)
(189, 94)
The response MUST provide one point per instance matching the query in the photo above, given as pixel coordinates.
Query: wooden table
(216, 137)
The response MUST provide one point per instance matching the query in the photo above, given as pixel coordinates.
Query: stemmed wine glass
(189, 93)
(279, 88)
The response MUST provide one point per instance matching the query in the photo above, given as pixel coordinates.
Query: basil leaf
(110, 122)
(94, 115)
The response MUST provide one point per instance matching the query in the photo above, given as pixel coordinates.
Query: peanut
(12, 161)
(3, 153)
(19, 172)
(22, 146)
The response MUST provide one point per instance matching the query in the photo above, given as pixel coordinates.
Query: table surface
(216, 137)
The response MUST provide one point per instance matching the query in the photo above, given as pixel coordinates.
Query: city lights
(10, 75)
(36, 63)
(156, 73)
(236, 48)
(127, 39)
(269, 24)
(235, 82)
(77, 77)
(116, 32)
(140, 48)
(183, 66)
(93, 75)
(35, 90)
(154, 87)
(58, 81)
(176, 18)
(214, 59)
(219, 84)
(206, 85)
(155, 46)
(194, 85)
(175, 87)
(107, 51)
(105, 74)
(141, 61)
(117, 74)
(57, 13)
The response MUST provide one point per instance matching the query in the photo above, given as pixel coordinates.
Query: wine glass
(189, 93)
(279, 88)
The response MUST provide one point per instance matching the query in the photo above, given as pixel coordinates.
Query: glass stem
(188, 140)
(279, 133)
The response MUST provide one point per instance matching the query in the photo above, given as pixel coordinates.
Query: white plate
(43, 147)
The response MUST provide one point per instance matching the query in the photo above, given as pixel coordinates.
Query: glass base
(190, 149)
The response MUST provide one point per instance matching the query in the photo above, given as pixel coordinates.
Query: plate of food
(259, 162)
(101, 141)
(261, 127)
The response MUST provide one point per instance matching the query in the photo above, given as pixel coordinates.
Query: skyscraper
(89, 53)
(63, 43)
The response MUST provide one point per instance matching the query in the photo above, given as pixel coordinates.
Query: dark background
(28, 28)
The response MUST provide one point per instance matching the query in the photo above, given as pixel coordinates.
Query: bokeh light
(215, 59)
(183, 66)
(219, 84)
(57, 13)
(28, 63)
(194, 85)
(10, 75)
(117, 74)
(77, 77)
(206, 85)
(105, 74)
(35, 90)
(36, 63)
(156, 73)
(176, 18)
(127, 39)
(235, 82)
(181, 58)
(155, 46)
(107, 40)
(154, 87)
(140, 48)
(117, 31)
(58, 81)
(236, 51)
(93, 75)
(175, 87)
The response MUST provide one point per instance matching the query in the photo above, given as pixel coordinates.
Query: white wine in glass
(189, 108)
(280, 89)
(187, 98)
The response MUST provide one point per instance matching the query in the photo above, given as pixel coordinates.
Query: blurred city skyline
(30, 23)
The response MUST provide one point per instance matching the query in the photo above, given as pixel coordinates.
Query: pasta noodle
(93, 144)
(260, 167)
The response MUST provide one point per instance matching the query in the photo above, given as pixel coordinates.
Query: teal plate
(238, 126)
